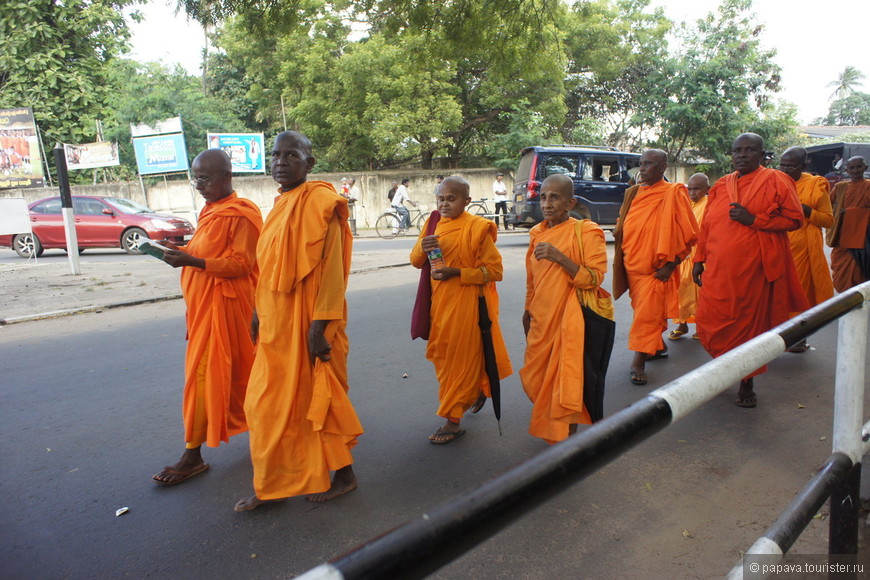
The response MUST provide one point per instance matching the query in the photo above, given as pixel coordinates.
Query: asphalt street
(90, 409)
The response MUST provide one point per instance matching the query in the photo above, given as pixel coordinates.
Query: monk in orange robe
(471, 267)
(698, 186)
(851, 201)
(217, 281)
(655, 232)
(807, 242)
(302, 422)
(743, 258)
(556, 267)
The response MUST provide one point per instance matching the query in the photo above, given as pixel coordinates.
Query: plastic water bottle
(436, 259)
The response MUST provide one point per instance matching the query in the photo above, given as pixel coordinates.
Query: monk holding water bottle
(465, 264)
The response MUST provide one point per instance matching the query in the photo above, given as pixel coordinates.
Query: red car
(101, 222)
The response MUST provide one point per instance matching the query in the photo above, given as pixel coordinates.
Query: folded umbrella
(490, 363)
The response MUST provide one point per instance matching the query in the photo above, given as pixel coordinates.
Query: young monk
(472, 266)
(553, 321)
(851, 201)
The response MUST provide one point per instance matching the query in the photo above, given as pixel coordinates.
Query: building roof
(832, 131)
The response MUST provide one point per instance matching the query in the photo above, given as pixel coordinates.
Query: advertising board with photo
(20, 161)
(246, 150)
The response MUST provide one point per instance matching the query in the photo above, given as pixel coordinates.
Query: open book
(152, 248)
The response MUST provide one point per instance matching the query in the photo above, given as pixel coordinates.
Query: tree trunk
(426, 159)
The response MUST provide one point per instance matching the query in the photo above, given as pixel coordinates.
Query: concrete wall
(179, 198)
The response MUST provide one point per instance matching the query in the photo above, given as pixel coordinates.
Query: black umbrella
(489, 361)
(599, 335)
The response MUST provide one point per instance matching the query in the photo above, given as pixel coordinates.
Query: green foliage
(56, 58)
(851, 110)
(846, 82)
(151, 92)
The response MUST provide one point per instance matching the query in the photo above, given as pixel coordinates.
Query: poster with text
(160, 154)
(245, 150)
(20, 162)
(91, 155)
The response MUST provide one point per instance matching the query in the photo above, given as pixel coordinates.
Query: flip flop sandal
(660, 354)
(638, 378)
(449, 436)
(676, 334)
(478, 405)
(185, 476)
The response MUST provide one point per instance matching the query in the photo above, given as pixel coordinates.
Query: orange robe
(220, 300)
(659, 227)
(552, 375)
(302, 422)
(807, 243)
(688, 292)
(750, 283)
(853, 232)
(455, 346)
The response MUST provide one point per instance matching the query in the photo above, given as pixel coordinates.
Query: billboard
(91, 155)
(171, 125)
(160, 153)
(20, 162)
(246, 150)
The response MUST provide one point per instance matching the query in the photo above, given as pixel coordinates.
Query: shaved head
(798, 154)
(747, 153)
(753, 137)
(215, 160)
(457, 185)
(653, 163)
(559, 183)
(212, 173)
(296, 137)
(855, 167)
(793, 162)
(698, 186)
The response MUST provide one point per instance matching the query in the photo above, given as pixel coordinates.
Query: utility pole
(69, 225)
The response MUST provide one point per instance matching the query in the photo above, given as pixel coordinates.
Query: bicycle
(482, 208)
(387, 224)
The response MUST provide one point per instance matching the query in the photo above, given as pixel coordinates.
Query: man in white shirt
(499, 193)
(399, 204)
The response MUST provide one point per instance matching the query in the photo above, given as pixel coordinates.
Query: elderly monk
(655, 232)
(557, 266)
(218, 277)
(851, 199)
(749, 280)
(471, 267)
(807, 242)
(698, 186)
(302, 422)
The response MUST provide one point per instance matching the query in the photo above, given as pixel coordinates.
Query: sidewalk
(46, 289)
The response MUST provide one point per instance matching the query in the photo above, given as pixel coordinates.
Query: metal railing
(433, 540)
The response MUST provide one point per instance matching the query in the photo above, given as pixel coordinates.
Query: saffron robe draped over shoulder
(455, 346)
(688, 292)
(219, 300)
(749, 283)
(853, 199)
(659, 227)
(807, 242)
(552, 375)
(302, 422)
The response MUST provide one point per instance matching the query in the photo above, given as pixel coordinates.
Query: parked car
(600, 174)
(101, 222)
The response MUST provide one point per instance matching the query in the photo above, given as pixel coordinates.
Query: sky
(814, 40)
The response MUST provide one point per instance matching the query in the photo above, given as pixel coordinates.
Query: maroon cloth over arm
(421, 319)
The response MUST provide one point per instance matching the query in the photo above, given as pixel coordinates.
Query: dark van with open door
(600, 175)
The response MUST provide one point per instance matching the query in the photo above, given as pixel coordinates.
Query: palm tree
(846, 82)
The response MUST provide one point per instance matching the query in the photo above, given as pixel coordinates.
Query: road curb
(138, 301)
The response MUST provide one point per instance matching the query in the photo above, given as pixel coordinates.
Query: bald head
(747, 153)
(296, 138)
(653, 163)
(458, 185)
(291, 159)
(212, 173)
(793, 162)
(856, 167)
(560, 184)
(698, 186)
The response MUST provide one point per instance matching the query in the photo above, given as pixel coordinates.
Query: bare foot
(247, 504)
(189, 465)
(572, 429)
(343, 481)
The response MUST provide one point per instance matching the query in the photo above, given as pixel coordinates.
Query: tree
(56, 59)
(718, 85)
(846, 82)
(853, 109)
(146, 93)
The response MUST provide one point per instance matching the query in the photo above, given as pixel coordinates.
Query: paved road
(89, 409)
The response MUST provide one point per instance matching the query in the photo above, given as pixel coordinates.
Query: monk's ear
(572, 202)
(310, 163)
(467, 200)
